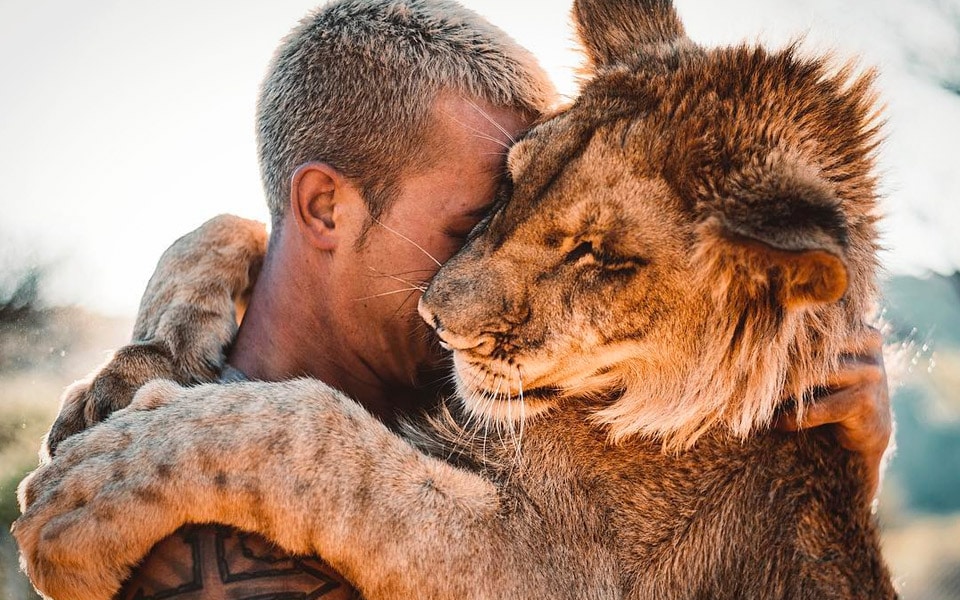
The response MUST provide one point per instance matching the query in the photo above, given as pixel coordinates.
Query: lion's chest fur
(725, 519)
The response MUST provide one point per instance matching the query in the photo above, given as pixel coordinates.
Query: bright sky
(125, 124)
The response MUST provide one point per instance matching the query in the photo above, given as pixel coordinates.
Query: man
(379, 122)
(382, 129)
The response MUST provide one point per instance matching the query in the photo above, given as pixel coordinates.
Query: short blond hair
(353, 85)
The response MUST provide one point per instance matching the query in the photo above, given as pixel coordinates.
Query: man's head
(354, 86)
(394, 113)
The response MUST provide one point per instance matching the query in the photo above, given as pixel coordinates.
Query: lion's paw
(76, 536)
(90, 401)
(155, 394)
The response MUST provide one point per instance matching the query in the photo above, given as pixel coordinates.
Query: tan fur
(693, 236)
(181, 331)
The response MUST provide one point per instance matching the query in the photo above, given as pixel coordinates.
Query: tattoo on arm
(200, 562)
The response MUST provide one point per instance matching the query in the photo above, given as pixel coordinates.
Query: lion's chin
(507, 392)
(492, 400)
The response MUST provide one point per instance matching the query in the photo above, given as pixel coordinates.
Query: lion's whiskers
(489, 401)
(412, 288)
(523, 410)
(509, 419)
(483, 136)
(405, 238)
(492, 121)
(476, 419)
(422, 285)
(490, 423)
(390, 293)
(510, 423)
(489, 138)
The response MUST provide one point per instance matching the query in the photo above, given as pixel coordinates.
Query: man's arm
(213, 561)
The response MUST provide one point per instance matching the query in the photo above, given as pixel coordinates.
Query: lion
(686, 245)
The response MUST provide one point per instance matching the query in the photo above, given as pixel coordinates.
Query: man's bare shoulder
(215, 562)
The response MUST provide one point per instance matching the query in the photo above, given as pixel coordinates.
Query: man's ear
(315, 193)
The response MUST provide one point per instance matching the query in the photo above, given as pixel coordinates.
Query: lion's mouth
(489, 391)
(541, 393)
(504, 379)
(525, 395)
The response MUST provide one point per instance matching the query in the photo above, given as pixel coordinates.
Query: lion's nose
(448, 339)
(427, 315)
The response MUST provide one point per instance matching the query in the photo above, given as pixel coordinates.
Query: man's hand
(858, 403)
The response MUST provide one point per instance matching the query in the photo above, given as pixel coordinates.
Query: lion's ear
(614, 31)
(794, 278)
(789, 250)
(776, 232)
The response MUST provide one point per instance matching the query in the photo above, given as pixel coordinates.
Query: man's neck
(289, 330)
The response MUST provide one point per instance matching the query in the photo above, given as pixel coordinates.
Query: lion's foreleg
(187, 318)
(297, 462)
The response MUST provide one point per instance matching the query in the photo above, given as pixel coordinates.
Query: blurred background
(125, 124)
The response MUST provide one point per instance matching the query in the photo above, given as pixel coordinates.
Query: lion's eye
(610, 263)
(579, 251)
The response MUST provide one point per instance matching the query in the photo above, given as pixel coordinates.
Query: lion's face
(692, 235)
(566, 280)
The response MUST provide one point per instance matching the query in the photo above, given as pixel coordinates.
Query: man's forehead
(458, 113)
